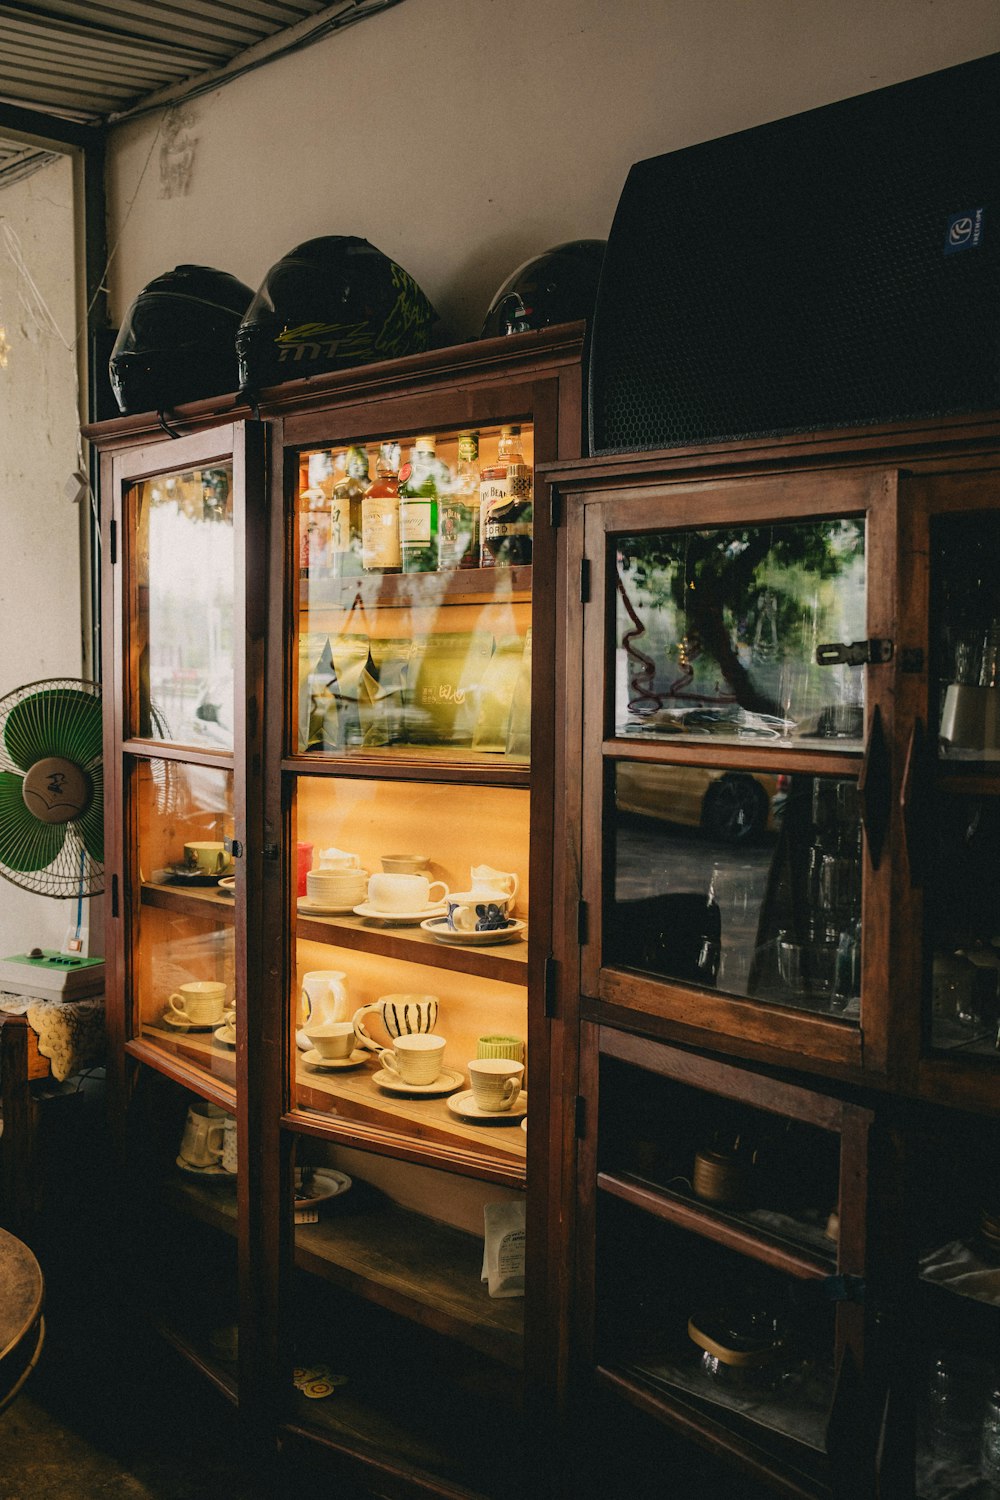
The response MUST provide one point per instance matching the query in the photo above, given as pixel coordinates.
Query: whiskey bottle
(345, 515)
(380, 551)
(506, 505)
(421, 482)
(458, 543)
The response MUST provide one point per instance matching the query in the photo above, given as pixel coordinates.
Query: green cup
(511, 1047)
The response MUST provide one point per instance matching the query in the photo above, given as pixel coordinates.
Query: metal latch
(872, 653)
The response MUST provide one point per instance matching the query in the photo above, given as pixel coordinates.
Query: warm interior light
(4, 348)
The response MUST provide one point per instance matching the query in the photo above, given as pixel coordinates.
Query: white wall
(462, 136)
(39, 526)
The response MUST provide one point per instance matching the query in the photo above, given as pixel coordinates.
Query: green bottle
(421, 482)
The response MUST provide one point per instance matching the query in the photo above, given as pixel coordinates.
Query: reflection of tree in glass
(718, 581)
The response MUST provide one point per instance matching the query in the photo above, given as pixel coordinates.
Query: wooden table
(22, 1326)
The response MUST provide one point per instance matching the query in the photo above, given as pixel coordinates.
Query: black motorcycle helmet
(177, 342)
(330, 303)
(558, 286)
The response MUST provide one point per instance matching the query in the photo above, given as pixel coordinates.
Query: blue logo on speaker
(964, 231)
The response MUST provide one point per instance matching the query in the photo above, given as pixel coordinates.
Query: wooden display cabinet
(304, 706)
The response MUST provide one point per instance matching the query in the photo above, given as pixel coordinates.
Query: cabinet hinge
(582, 923)
(871, 653)
(555, 507)
(113, 540)
(580, 1120)
(234, 847)
(114, 895)
(585, 580)
(549, 990)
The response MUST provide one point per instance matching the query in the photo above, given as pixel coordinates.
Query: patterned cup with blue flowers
(479, 911)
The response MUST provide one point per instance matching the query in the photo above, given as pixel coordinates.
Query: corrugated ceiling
(87, 61)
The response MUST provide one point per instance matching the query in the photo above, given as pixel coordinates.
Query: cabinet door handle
(914, 803)
(874, 789)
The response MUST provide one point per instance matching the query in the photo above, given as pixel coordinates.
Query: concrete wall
(39, 526)
(462, 136)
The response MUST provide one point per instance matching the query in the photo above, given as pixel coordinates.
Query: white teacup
(405, 864)
(201, 1002)
(479, 911)
(203, 1138)
(404, 893)
(415, 1059)
(496, 1082)
(336, 887)
(332, 1038)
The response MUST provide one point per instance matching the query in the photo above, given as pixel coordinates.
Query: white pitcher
(324, 997)
(338, 859)
(486, 881)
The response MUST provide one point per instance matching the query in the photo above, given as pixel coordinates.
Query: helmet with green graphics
(330, 303)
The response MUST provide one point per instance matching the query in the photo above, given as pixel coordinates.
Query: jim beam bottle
(420, 484)
(380, 548)
(458, 542)
(506, 510)
(345, 515)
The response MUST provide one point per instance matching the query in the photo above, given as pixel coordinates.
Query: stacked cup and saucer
(413, 1063)
(199, 1005)
(402, 900)
(336, 886)
(496, 1096)
(482, 915)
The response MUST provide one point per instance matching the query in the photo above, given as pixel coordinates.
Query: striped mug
(401, 1015)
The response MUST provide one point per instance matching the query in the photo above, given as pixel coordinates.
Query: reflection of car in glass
(732, 806)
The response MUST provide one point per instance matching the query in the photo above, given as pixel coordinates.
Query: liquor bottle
(458, 543)
(380, 515)
(421, 482)
(506, 510)
(345, 515)
(315, 490)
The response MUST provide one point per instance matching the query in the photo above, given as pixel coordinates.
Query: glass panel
(184, 981)
(717, 631)
(414, 636)
(965, 635)
(745, 882)
(183, 615)
(377, 862)
(962, 926)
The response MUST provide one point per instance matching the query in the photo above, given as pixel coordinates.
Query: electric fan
(52, 788)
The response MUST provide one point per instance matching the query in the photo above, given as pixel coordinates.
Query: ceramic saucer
(315, 1059)
(227, 885)
(174, 1023)
(310, 908)
(438, 928)
(226, 1035)
(326, 1182)
(398, 918)
(447, 1081)
(465, 1106)
(215, 1171)
(182, 875)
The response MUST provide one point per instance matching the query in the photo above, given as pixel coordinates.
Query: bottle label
(415, 521)
(380, 537)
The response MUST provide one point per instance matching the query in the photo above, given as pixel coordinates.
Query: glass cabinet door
(951, 790)
(727, 721)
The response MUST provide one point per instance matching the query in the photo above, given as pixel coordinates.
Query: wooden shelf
(415, 763)
(204, 901)
(729, 1229)
(193, 1059)
(376, 591)
(422, 1129)
(221, 1376)
(416, 1267)
(504, 961)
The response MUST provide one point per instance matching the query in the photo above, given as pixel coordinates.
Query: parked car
(731, 806)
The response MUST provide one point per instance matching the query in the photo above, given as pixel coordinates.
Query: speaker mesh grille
(795, 275)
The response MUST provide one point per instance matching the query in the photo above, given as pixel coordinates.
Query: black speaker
(836, 268)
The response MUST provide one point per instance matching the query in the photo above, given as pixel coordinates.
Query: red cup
(305, 865)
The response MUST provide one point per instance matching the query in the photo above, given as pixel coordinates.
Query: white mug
(404, 893)
(415, 1058)
(401, 1015)
(324, 997)
(332, 1038)
(200, 1002)
(496, 1082)
(202, 1141)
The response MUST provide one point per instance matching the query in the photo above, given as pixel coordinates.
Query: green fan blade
(54, 721)
(25, 843)
(90, 828)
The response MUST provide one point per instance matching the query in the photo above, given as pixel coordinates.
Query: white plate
(447, 1081)
(226, 1035)
(215, 1171)
(315, 1059)
(326, 1183)
(177, 1024)
(438, 928)
(227, 885)
(465, 1106)
(310, 908)
(409, 918)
